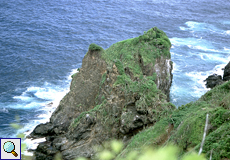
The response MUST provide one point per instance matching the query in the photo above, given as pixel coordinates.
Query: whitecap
(33, 89)
(193, 26)
(182, 28)
(194, 43)
(71, 73)
(198, 77)
(46, 93)
(32, 144)
(24, 97)
(4, 110)
(218, 69)
(51, 95)
(226, 49)
(214, 57)
(32, 105)
(199, 91)
(202, 56)
(175, 68)
(203, 48)
(227, 32)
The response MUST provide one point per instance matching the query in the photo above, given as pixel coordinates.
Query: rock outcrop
(215, 80)
(116, 93)
(226, 76)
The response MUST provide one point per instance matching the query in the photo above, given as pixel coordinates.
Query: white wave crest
(4, 110)
(193, 26)
(72, 72)
(227, 32)
(195, 43)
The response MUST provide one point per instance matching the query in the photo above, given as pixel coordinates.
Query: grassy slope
(189, 123)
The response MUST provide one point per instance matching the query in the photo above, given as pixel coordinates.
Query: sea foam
(50, 95)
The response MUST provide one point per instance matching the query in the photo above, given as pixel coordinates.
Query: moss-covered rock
(117, 93)
(94, 47)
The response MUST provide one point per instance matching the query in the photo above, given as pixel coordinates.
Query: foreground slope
(185, 127)
(117, 92)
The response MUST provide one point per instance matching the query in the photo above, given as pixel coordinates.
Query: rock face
(116, 93)
(215, 80)
(226, 76)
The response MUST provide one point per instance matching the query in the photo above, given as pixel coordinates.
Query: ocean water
(42, 43)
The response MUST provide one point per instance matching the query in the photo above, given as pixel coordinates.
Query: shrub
(94, 47)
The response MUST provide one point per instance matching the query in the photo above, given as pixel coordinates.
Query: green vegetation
(103, 79)
(83, 114)
(133, 55)
(188, 123)
(94, 47)
(190, 120)
(145, 138)
(74, 75)
(153, 44)
(113, 148)
(130, 58)
(182, 127)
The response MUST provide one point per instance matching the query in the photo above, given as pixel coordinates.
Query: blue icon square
(10, 148)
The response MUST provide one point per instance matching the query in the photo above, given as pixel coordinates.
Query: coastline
(49, 107)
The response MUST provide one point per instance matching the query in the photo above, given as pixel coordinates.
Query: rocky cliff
(116, 93)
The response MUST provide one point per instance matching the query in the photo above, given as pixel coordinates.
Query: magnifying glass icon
(9, 147)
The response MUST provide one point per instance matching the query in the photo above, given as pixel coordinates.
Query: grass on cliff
(150, 136)
(76, 121)
(113, 148)
(94, 47)
(151, 45)
(133, 54)
(188, 123)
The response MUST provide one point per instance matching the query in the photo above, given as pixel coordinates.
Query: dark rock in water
(116, 93)
(41, 130)
(213, 81)
(226, 76)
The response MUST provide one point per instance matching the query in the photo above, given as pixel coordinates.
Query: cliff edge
(117, 92)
